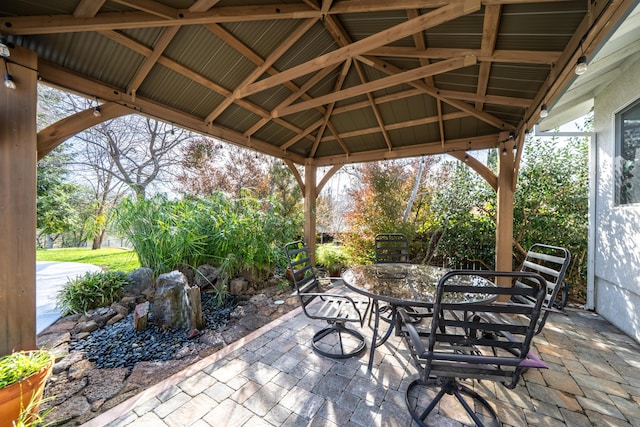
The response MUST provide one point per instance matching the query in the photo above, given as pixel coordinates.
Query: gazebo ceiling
(320, 82)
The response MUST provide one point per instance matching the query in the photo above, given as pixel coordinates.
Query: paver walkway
(272, 378)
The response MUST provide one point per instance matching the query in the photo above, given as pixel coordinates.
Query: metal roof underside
(321, 82)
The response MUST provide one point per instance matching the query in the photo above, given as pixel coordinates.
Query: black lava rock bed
(121, 346)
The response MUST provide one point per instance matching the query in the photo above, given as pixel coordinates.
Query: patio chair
(391, 247)
(335, 341)
(468, 341)
(551, 262)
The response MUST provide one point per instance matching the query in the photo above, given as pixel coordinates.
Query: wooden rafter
(397, 32)
(192, 75)
(488, 118)
(451, 146)
(500, 56)
(327, 115)
(385, 82)
(489, 37)
(368, 48)
(300, 92)
(419, 42)
(87, 8)
(341, 37)
(266, 64)
(167, 35)
(151, 7)
(399, 125)
(76, 83)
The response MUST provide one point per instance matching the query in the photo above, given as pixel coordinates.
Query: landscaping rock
(141, 316)
(102, 315)
(104, 383)
(80, 369)
(176, 304)
(120, 308)
(207, 276)
(140, 282)
(69, 409)
(196, 317)
(129, 302)
(238, 286)
(212, 339)
(88, 326)
(118, 317)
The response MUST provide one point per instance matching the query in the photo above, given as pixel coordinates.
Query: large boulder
(176, 304)
(140, 282)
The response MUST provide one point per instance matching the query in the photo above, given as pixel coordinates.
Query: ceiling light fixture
(581, 65)
(4, 50)
(9, 83)
(543, 111)
(96, 110)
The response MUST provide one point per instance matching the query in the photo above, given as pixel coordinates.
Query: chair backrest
(304, 278)
(482, 340)
(550, 262)
(391, 247)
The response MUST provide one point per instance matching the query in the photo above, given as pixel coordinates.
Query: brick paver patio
(272, 378)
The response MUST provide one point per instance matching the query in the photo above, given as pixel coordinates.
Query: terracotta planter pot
(16, 397)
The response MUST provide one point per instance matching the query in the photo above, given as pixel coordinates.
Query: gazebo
(314, 83)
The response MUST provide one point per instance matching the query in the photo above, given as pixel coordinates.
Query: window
(628, 155)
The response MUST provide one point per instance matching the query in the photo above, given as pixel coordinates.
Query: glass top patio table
(407, 284)
(403, 284)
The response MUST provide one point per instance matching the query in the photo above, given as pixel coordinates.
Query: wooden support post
(310, 194)
(504, 222)
(18, 157)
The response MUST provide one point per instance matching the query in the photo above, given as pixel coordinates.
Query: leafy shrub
(332, 257)
(232, 234)
(93, 290)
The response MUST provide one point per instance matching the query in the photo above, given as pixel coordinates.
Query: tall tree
(55, 211)
(379, 202)
(136, 151)
(209, 166)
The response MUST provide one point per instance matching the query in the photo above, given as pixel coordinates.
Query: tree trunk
(414, 192)
(97, 240)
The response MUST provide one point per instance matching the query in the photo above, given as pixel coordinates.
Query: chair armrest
(328, 296)
(410, 331)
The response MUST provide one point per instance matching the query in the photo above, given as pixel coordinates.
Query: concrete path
(50, 278)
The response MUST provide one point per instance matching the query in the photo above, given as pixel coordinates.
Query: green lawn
(112, 259)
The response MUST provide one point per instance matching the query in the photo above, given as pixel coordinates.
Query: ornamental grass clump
(93, 290)
(17, 366)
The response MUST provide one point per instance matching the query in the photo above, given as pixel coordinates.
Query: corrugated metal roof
(199, 80)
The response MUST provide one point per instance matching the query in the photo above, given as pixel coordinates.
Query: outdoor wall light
(543, 111)
(97, 112)
(581, 66)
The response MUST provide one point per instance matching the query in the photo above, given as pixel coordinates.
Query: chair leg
(447, 386)
(337, 330)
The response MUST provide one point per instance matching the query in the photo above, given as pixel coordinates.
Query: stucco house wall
(617, 227)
